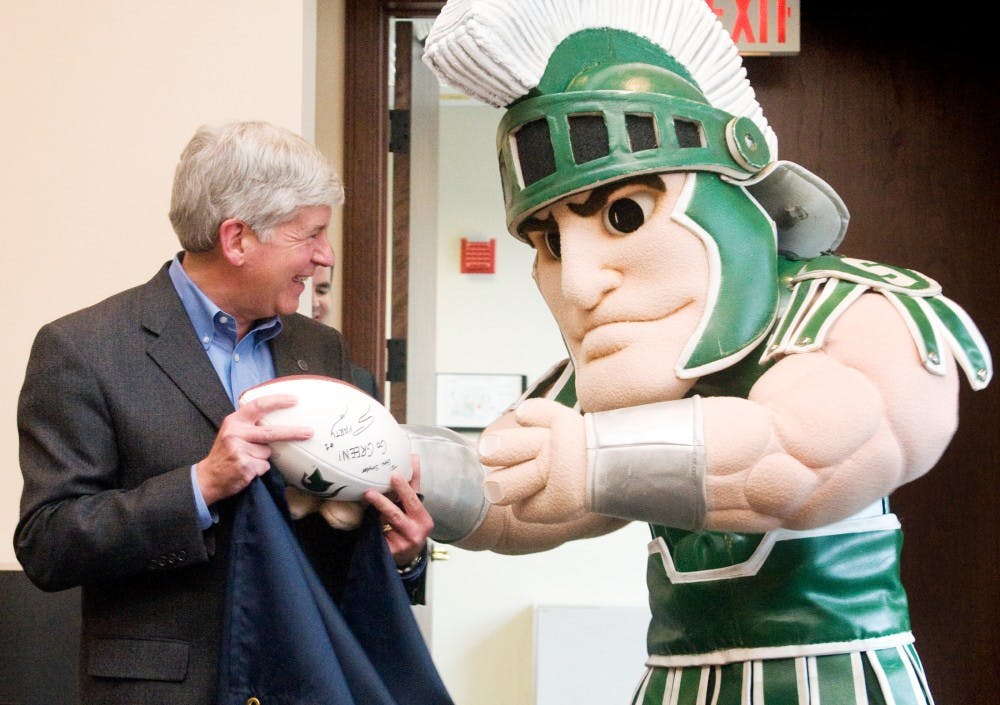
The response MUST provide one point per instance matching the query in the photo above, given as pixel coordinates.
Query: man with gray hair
(147, 487)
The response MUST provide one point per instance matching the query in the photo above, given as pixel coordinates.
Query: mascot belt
(779, 594)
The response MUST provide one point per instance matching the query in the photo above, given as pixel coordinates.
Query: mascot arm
(822, 435)
(452, 484)
(502, 532)
(550, 465)
(826, 433)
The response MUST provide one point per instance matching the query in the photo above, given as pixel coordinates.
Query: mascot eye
(626, 215)
(553, 243)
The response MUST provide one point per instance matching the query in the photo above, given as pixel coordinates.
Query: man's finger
(405, 492)
(377, 500)
(415, 477)
(273, 434)
(260, 407)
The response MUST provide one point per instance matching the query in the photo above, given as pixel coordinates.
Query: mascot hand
(340, 515)
(538, 465)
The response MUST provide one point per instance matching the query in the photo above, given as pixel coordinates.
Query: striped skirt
(891, 676)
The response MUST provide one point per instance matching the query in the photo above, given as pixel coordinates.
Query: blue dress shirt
(240, 364)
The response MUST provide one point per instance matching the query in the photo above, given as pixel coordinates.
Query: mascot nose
(587, 273)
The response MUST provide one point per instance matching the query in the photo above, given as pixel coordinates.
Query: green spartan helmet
(612, 105)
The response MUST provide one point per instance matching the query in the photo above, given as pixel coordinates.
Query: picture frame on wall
(468, 401)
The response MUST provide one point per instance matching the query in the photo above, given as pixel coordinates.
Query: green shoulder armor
(824, 287)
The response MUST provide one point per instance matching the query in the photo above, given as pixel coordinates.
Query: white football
(355, 446)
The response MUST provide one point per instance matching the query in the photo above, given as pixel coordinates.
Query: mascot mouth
(610, 337)
(604, 341)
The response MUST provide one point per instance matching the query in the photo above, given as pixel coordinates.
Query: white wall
(483, 603)
(486, 322)
(99, 98)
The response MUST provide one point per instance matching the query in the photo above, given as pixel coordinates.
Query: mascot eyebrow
(595, 202)
(599, 196)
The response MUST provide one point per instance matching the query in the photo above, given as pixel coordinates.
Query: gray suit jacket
(118, 401)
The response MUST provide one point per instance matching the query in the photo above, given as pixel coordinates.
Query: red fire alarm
(479, 256)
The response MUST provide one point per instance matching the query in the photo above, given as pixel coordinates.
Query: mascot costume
(751, 395)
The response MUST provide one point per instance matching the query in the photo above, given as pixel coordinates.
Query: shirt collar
(207, 318)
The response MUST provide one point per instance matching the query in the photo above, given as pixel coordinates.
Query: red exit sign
(760, 26)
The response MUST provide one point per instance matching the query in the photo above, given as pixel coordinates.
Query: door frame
(366, 139)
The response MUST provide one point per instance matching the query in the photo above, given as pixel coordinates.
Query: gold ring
(386, 528)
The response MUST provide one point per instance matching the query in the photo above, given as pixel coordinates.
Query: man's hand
(405, 521)
(241, 450)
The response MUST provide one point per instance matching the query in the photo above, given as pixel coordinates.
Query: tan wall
(329, 127)
(99, 98)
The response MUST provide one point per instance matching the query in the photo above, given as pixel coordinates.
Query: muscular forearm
(817, 443)
(452, 484)
(502, 532)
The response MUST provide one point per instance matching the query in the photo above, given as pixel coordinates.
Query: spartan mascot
(751, 395)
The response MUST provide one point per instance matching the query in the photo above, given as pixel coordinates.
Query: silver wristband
(647, 463)
(451, 481)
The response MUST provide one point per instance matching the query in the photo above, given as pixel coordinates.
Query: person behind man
(137, 468)
(322, 291)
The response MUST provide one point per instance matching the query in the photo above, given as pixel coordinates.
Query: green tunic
(792, 615)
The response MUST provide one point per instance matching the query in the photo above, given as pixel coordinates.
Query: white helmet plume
(497, 50)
